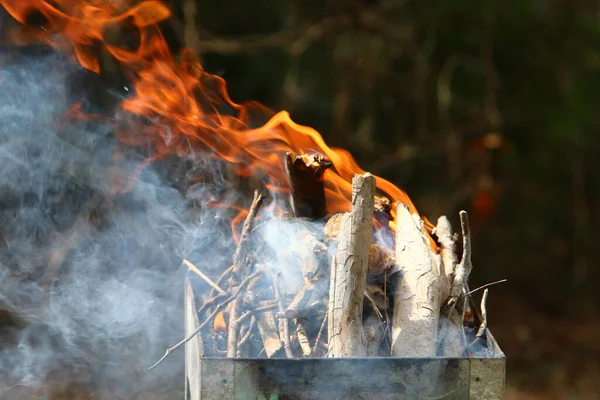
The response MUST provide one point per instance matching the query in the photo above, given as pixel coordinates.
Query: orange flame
(189, 108)
(219, 325)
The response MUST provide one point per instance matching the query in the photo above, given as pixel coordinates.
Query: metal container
(210, 378)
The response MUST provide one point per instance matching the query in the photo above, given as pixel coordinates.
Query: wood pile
(358, 296)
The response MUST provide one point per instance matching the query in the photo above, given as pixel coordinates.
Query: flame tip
(190, 109)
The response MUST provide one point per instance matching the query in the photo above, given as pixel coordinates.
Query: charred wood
(307, 185)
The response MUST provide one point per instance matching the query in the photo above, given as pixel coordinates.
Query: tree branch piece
(349, 273)
(307, 186)
(461, 275)
(240, 252)
(418, 295)
(284, 333)
(193, 268)
(220, 307)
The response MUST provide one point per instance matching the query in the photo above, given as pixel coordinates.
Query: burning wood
(451, 333)
(267, 327)
(418, 295)
(298, 305)
(358, 246)
(302, 337)
(349, 272)
(365, 277)
(307, 186)
(381, 259)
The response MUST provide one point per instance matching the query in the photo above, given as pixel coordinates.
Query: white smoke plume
(93, 279)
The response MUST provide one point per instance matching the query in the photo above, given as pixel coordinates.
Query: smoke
(95, 279)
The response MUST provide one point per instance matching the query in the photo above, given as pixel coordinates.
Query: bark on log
(463, 269)
(381, 260)
(417, 299)
(451, 332)
(447, 240)
(233, 329)
(349, 273)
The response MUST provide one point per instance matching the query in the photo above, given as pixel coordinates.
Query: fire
(181, 107)
(219, 325)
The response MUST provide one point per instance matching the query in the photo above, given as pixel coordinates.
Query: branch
(447, 241)
(484, 323)
(349, 272)
(239, 255)
(192, 267)
(463, 269)
(210, 317)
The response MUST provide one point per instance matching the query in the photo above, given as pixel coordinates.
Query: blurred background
(490, 106)
(485, 106)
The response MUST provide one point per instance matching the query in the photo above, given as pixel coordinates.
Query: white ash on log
(349, 273)
(452, 341)
(463, 269)
(447, 241)
(419, 292)
(452, 334)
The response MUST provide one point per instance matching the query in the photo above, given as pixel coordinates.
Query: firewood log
(267, 327)
(349, 273)
(418, 294)
(307, 186)
(452, 341)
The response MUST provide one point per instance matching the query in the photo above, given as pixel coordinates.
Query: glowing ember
(184, 108)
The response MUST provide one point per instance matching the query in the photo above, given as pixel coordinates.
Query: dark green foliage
(413, 89)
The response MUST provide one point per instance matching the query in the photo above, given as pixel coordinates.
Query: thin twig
(244, 339)
(198, 329)
(302, 337)
(210, 317)
(284, 333)
(238, 256)
(233, 328)
(484, 323)
(485, 286)
(320, 334)
(210, 302)
(221, 279)
(244, 330)
(480, 336)
(239, 268)
(193, 268)
(372, 301)
(252, 313)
